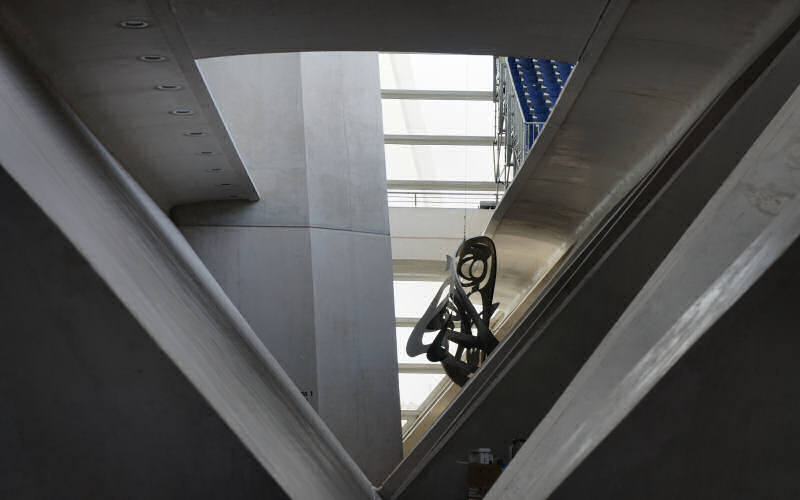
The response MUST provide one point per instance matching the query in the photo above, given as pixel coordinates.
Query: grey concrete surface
(745, 227)
(150, 268)
(356, 346)
(628, 103)
(554, 30)
(638, 77)
(93, 64)
(92, 407)
(266, 272)
(634, 65)
(722, 422)
(310, 265)
(640, 112)
(343, 124)
(563, 329)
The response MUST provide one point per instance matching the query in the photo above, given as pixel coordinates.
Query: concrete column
(309, 266)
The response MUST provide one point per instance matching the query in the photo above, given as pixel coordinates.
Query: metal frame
(438, 95)
(433, 368)
(439, 140)
(439, 198)
(514, 135)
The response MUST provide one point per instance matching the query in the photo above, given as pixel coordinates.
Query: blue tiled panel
(538, 83)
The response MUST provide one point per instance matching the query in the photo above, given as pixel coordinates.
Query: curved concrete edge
(591, 133)
(590, 55)
(752, 219)
(142, 257)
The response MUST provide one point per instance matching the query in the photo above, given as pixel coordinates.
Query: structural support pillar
(309, 266)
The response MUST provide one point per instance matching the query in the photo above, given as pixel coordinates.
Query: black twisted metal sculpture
(453, 314)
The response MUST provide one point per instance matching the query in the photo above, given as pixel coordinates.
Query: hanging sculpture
(454, 316)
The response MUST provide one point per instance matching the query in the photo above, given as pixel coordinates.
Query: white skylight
(411, 298)
(415, 116)
(415, 387)
(436, 72)
(464, 113)
(439, 163)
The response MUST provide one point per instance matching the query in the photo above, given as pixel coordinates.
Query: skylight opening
(457, 129)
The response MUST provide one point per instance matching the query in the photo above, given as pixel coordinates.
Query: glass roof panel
(411, 298)
(439, 163)
(402, 339)
(415, 387)
(415, 116)
(436, 72)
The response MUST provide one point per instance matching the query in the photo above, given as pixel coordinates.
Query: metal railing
(441, 199)
(514, 136)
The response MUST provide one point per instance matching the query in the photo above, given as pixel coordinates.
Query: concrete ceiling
(94, 65)
(556, 30)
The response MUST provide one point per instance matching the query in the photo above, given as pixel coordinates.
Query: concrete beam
(92, 407)
(145, 262)
(652, 83)
(728, 404)
(744, 229)
(99, 72)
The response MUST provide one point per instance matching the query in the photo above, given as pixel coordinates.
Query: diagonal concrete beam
(151, 269)
(747, 225)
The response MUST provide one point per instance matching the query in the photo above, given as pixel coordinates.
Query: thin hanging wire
(496, 91)
(466, 119)
(465, 203)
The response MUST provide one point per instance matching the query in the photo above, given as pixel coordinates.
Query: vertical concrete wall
(309, 265)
